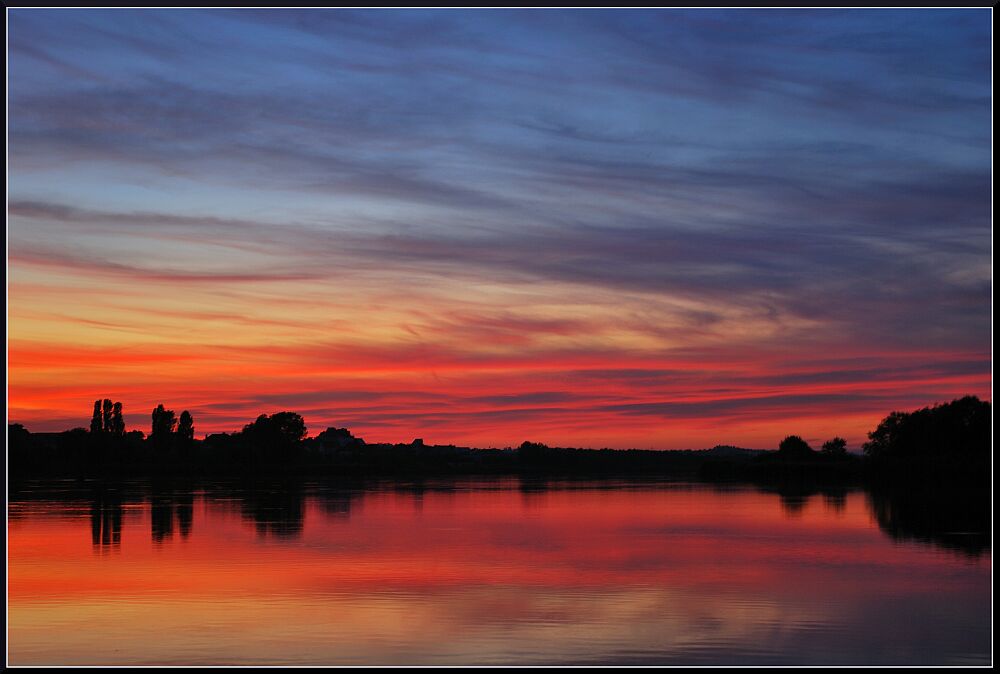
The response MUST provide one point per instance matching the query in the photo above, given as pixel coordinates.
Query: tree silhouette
(532, 451)
(835, 447)
(108, 407)
(97, 421)
(278, 435)
(18, 441)
(958, 428)
(795, 447)
(185, 427)
(162, 430)
(117, 422)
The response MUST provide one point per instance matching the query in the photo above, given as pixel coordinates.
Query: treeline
(955, 431)
(108, 447)
(955, 434)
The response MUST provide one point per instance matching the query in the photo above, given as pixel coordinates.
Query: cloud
(890, 267)
(669, 197)
(91, 266)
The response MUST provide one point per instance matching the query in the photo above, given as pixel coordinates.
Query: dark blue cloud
(833, 165)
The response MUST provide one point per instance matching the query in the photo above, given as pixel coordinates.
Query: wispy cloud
(669, 197)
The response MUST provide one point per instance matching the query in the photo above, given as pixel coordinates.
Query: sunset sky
(662, 229)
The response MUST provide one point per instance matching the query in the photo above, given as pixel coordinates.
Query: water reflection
(953, 519)
(532, 490)
(170, 505)
(795, 496)
(415, 490)
(835, 499)
(276, 509)
(105, 519)
(185, 512)
(161, 510)
(522, 571)
(337, 503)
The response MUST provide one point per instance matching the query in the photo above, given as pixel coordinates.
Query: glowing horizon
(651, 228)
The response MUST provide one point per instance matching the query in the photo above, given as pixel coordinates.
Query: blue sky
(813, 181)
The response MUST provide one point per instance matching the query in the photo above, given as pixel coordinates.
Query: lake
(500, 571)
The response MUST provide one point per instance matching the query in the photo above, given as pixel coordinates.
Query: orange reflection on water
(658, 572)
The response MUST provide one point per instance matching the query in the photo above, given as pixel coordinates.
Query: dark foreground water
(489, 572)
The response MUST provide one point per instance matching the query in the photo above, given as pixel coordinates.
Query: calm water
(495, 572)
